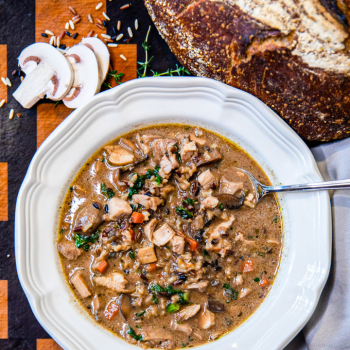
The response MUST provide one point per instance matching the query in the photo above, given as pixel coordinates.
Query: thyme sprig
(116, 76)
(142, 71)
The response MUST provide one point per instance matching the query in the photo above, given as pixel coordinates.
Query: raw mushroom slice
(48, 73)
(86, 80)
(102, 54)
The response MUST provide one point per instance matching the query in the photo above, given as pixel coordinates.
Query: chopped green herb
(187, 128)
(132, 254)
(221, 206)
(231, 291)
(57, 103)
(140, 313)
(132, 334)
(205, 253)
(116, 76)
(188, 201)
(132, 191)
(103, 159)
(256, 279)
(61, 230)
(107, 191)
(178, 156)
(261, 254)
(138, 326)
(110, 193)
(250, 237)
(82, 241)
(171, 308)
(183, 297)
(154, 298)
(275, 220)
(185, 214)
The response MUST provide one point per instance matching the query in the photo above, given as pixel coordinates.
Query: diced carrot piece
(264, 282)
(137, 218)
(247, 266)
(102, 266)
(151, 267)
(111, 311)
(193, 244)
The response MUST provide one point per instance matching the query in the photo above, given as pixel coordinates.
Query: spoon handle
(327, 185)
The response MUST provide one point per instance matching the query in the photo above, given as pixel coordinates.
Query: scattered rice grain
(96, 35)
(123, 57)
(112, 45)
(90, 18)
(119, 25)
(76, 20)
(2, 103)
(106, 36)
(75, 17)
(136, 24)
(4, 80)
(66, 26)
(125, 6)
(51, 40)
(108, 40)
(99, 26)
(61, 36)
(72, 10)
(91, 33)
(130, 32)
(8, 82)
(58, 42)
(49, 32)
(12, 112)
(119, 37)
(105, 16)
(99, 6)
(71, 24)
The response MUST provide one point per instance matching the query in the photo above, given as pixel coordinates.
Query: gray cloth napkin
(328, 327)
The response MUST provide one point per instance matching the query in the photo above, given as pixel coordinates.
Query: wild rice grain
(99, 26)
(114, 31)
(130, 32)
(119, 37)
(14, 72)
(99, 21)
(49, 32)
(90, 18)
(63, 46)
(127, 40)
(106, 36)
(71, 24)
(99, 6)
(66, 26)
(123, 57)
(104, 23)
(44, 35)
(119, 25)
(2, 103)
(108, 40)
(61, 36)
(69, 34)
(75, 17)
(91, 33)
(136, 24)
(72, 10)
(75, 35)
(77, 20)
(125, 6)
(4, 80)
(112, 45)
(105, 16)
(12, 112)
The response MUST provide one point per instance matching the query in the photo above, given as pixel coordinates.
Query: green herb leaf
(110, 193)
(154, 298)
(82, 241)
(171, 308)
(132, 191)
(261, 254)
(256, 279)
(132, 254)
(132, 333)
(231, 291)
(140, 313)
(184, 213)
(221, 206)
(103, 159)
(205, 253)
(189, 201)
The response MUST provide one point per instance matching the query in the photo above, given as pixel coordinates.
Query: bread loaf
(291, 54)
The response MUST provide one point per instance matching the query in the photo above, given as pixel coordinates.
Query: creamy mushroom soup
(162, 241)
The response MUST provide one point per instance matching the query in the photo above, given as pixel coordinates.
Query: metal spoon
(262, 190)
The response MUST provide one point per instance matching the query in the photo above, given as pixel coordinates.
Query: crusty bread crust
(219, 40)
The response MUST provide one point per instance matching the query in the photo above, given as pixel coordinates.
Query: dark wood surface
(19, 138)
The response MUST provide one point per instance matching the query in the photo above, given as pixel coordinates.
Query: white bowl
(241, 117)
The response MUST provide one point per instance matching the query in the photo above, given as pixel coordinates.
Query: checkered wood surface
(22, 22)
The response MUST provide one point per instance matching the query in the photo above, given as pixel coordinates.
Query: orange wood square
(3, 309)
(3, 192)
(47, 344)
(3, 71)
